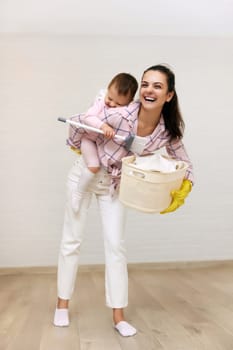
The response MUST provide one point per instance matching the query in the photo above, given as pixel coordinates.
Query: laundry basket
(148, 191)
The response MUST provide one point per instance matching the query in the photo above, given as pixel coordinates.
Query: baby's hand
(108, 131)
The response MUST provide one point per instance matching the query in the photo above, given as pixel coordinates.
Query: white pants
(113, 221)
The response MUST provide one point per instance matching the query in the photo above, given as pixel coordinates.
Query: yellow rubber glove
(178, 196)
(76, 150)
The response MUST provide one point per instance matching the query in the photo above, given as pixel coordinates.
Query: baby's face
(113, 99)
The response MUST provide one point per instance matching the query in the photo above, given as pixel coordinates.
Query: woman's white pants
(112, 215)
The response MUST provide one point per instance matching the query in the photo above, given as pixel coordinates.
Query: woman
(157, 117)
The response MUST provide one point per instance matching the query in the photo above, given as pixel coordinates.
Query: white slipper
(61, 318)
(125, 329)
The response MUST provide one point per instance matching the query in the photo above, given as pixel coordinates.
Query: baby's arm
(93, 117)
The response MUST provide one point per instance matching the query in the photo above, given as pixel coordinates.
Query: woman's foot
(61, 318)
(61, 315)
(124, 328)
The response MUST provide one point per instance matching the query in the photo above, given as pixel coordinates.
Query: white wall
(43, 77)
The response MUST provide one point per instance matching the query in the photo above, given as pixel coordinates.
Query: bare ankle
(62, 303)
(118, 315)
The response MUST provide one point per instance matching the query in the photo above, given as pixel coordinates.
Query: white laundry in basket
(156, 162)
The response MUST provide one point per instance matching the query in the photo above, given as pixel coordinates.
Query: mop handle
(87, 127)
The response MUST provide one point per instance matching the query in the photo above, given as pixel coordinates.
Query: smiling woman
(158, 93)
(157, 119)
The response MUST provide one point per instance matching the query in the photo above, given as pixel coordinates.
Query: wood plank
(172, 309)
(195, 311)
(94, 318)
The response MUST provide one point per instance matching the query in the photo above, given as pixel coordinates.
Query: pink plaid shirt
(125, 121)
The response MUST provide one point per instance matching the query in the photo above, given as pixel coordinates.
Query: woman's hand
(178, 197)
(108, 131)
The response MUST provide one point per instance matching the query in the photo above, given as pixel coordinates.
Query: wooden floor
(173, 309)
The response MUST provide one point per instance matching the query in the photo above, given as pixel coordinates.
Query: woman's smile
(149, 99)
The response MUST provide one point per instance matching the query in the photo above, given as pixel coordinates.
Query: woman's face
(154, 90)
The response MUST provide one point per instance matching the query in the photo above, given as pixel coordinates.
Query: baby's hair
(125, 84)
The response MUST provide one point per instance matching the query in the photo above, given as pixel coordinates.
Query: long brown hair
(174, 122)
